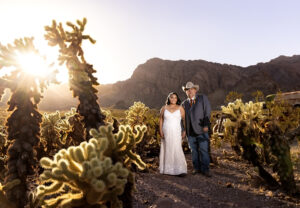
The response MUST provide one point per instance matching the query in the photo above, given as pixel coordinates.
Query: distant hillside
(152, 81)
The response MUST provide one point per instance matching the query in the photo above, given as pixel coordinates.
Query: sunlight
(33, 64)
(62, 75)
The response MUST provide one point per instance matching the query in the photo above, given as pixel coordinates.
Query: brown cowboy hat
(190, 85)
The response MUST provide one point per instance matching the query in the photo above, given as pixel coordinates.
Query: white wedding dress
(171, 159)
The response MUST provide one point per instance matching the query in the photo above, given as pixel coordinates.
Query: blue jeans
(199, 148)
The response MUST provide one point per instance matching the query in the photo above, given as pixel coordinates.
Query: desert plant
(23, 124)
(232, 96)
(77, 132)
(108, 117)
(54, 131)
(3, 198)
(81, 79)
(136, 114)
(60, 131)
(259, 139)
(94, 172)
(258, 96)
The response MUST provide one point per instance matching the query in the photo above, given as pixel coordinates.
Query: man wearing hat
(197, 113)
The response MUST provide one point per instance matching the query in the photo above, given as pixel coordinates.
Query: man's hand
(205, 129)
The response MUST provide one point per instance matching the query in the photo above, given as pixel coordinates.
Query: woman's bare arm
(161, 121)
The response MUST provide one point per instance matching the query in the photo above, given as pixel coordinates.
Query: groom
(197, 114)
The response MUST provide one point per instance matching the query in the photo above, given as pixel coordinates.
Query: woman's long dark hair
(168, 98)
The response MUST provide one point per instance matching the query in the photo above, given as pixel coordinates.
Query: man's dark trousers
(199, 148)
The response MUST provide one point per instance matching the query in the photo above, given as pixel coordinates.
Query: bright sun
(36, 65)
(33, 64)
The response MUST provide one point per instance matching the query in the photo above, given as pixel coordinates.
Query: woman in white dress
(171, 159)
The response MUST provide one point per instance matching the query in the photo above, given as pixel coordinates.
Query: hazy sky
(128, 33)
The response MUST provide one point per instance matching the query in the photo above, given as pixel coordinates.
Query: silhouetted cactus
(94, 171)
(23, 125)
(77, 132)
(4, 202)
(81, 78)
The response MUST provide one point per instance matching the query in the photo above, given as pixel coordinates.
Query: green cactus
(93, 172)
(136, 114)
(81, 79)
(53, 132)
(260, 140)
(60, 131)
(108, 117)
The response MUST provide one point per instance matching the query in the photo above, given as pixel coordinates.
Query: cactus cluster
(52, 128)
(81, 79)
(139, 114)
(258, 138)
(136, 114)
(60, 131)
(93, 172)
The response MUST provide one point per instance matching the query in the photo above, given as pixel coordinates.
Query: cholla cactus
(53, 132)
(108, 117)
(286, 116)
(3, 141)
(93, 171)
(3, 198)
(260, 140)
(24, 121)
(237, 112)
(136, 114)
(78, 132)
(81, 78)
(59, 131)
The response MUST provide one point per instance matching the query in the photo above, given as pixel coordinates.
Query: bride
(171, 158)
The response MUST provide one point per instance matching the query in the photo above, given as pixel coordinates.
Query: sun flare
(33, 64)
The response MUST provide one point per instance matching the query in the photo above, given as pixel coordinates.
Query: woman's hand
(162, 135)
(183, 134)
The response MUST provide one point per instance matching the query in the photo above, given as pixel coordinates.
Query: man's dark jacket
(197, 116)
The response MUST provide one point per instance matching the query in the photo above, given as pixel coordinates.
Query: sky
(129, 33)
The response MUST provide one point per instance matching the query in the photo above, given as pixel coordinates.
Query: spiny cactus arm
(119, 138)
(136, 159)
(106, 132)
(140, 133)
(65, 201)
(55, 35)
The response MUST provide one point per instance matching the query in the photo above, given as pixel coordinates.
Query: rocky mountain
(152, 81)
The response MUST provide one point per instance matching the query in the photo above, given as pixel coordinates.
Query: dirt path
(234, 184)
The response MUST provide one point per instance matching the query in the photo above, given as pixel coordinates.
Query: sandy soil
(234, 184)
